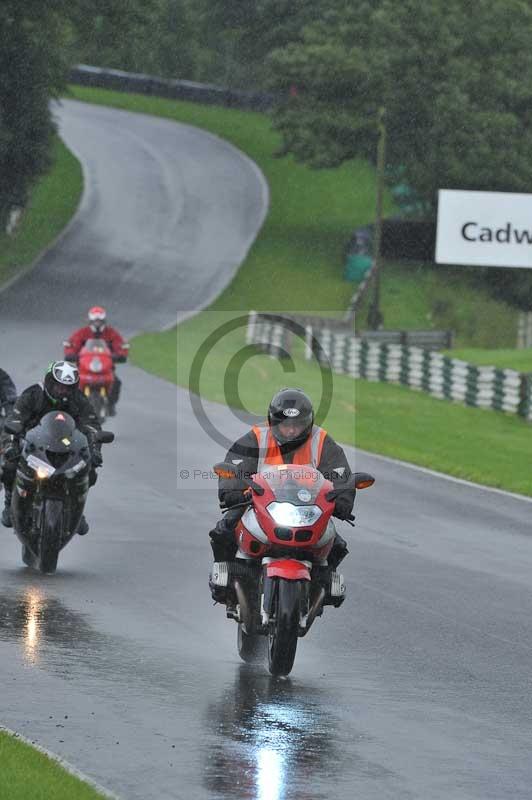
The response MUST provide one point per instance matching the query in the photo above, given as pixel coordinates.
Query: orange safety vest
(270, 452)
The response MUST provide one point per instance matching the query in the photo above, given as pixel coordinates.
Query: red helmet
(97, 318)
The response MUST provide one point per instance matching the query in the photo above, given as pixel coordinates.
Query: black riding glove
(343, 506)
(234, 498)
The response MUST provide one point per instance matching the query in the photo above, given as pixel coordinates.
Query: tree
(31, 71)
(241, 33)
(455, 80)
(152, 36)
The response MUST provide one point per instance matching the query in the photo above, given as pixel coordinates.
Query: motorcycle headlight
(42, 469)
(96, 365)
(294, 516)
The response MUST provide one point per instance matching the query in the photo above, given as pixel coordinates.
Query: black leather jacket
(34, 403)
(8, 392)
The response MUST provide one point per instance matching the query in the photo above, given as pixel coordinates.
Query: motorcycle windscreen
(96, 346)
(54, 432)
(292, 483)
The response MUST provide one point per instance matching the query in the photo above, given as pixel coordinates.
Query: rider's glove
(343, 506)
(234, 498)
(12, 450)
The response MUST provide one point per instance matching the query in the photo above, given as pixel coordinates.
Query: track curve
(418, 687)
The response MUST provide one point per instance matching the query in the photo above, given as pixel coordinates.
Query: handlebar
(237, 505)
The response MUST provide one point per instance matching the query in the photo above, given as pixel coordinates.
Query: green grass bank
(484, 446)
(28, 774)
(300, 249)
(53, 201)
(311, 212)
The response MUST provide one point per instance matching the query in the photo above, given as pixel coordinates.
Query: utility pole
(375, 317)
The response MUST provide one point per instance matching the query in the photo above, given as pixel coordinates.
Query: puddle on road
(275, 739)
(44, 627)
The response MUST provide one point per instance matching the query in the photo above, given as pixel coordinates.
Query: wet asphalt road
(418, 687)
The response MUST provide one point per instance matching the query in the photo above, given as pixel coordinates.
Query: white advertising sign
(488, 229)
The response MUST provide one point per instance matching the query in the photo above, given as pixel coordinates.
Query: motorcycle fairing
(288, 568)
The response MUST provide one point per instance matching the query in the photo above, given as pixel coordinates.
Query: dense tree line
(454, 78)
(31, 71)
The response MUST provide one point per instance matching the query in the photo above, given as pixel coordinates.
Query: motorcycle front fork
(29, 500)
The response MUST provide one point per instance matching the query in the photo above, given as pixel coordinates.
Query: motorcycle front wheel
(251, 647)
(283, 633)
(51, 532)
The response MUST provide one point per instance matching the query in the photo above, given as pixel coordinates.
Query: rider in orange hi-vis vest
(289, 437)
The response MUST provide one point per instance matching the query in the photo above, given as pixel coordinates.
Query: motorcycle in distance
(279, 581)
(51, 486)
(96, 376)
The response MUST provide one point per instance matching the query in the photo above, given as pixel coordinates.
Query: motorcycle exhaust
(244, 611)
(314, 610)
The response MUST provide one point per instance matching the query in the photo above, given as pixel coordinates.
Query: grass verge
(297, 261)
(425, 296)
(52, 204)
(312, 212)
(27, 773)
(484, 446)
(521, 360)
(299, 250)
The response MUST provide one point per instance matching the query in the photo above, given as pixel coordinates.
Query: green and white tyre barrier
(424, 370)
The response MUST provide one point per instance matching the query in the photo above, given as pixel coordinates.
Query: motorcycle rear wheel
(251, 647)
(51, 531)
(99, 404)
(282, 637)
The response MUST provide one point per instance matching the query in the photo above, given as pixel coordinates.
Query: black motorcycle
(51, 487)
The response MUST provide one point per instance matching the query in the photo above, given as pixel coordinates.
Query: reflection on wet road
(270, 729)
(48, 632)
(275, 739)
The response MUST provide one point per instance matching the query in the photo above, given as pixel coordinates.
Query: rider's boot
(7, 518)
(332, 580)
(111, 409)
(219, 581)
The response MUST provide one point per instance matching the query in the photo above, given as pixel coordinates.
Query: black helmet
(291, 416)
(61, 382)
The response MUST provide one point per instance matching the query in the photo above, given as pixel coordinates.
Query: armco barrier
(120, 81)
(425, 370)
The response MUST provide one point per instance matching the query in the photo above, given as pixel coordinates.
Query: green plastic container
(357, 266)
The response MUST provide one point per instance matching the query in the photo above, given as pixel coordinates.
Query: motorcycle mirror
(105, 437)
(360, 480)
(225, 470)
(14, 427)
(364, 480)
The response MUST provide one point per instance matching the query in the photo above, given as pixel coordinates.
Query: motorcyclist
(8, 395)
(59, 391)
(97, 328)
(290, 437)
(8, 392)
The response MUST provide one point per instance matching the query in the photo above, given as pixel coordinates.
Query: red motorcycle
(280, 581)
(96, 376)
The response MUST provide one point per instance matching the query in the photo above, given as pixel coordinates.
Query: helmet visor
(60, 391)
(289, 430)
